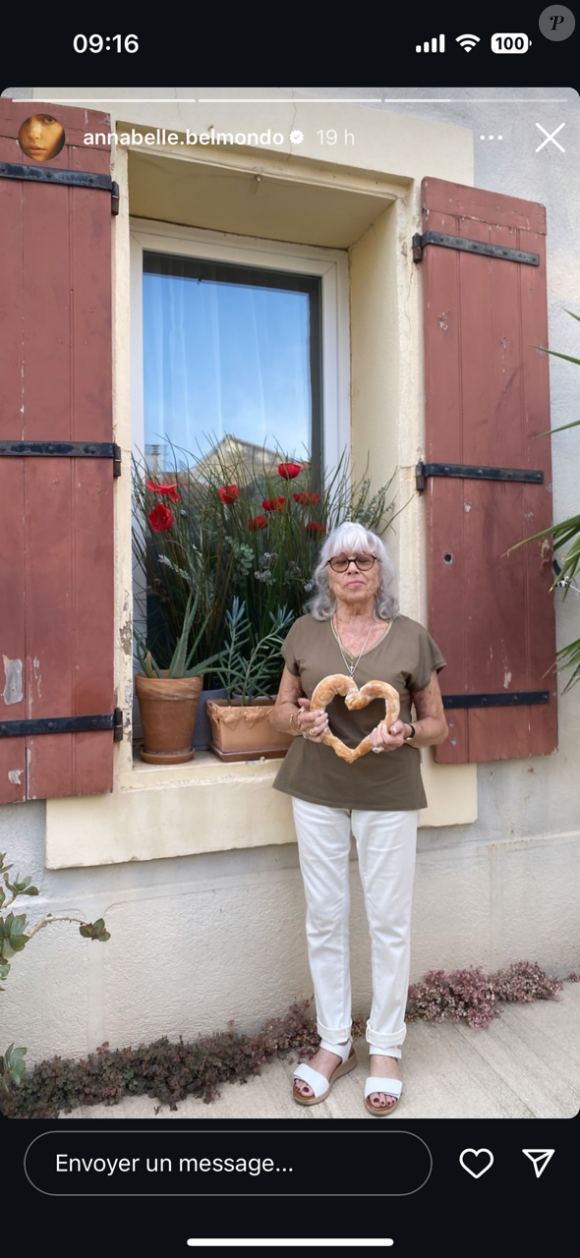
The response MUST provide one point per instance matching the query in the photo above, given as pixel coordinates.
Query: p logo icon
(557, 22)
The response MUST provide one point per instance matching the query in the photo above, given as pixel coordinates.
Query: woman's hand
(391, 738)
(312, 724)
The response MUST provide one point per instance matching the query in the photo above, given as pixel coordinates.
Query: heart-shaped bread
(340, 684)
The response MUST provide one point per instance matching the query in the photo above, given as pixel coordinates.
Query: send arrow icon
(539, 1158)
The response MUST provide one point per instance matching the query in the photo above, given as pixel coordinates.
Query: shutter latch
(65, 725)
(473, 472)
(465, 245)
(73, 178)
(64, 450)
(502, 700)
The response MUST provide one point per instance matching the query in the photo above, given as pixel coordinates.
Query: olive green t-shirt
(404, 657)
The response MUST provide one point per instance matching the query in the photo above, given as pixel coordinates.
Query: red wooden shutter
(487, 396)
(56, 552)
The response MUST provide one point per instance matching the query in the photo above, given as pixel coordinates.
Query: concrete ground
(525, 1065)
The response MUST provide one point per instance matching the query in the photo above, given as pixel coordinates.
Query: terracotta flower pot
(244, 732)
(202, 731)
(168, 710)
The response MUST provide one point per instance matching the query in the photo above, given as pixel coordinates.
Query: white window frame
(330, 264)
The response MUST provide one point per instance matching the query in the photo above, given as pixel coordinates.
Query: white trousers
(386, 844)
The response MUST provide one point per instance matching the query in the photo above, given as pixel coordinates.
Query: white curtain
(224, 358)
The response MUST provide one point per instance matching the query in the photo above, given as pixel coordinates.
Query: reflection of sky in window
(225, 358)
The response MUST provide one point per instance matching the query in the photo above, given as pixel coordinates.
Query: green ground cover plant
(171, 1072)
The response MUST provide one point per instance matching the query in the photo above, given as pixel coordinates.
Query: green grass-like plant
(565, 534)
(180, 664)
(250, 665)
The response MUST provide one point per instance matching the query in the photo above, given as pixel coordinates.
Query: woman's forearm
(428, 733)
(284, 718)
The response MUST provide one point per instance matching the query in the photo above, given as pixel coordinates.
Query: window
(229, 352)
(235, 340)
(298, 298)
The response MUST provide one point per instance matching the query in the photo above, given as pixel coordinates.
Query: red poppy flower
(228, 493)
(171, 490)
(305, 497)
(160, 518)
(273, 504)
(258, 522)
(313, 527)
(289, 470)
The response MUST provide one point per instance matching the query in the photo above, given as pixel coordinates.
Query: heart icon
(477, 1153)
(340, 684)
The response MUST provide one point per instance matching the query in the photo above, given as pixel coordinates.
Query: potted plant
(249, 666)
(168, 697)
(233, 525)
(228, 524)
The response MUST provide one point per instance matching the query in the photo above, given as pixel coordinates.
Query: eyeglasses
(364, 563)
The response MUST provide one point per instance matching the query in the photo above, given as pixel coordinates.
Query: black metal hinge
(72, 178)
(473, 472)
(464, 245)
(65, 725)
(501, 700)
(64, 450)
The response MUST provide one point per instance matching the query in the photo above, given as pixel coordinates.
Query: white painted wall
(230, 923)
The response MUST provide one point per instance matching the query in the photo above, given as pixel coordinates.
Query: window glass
(229, 351)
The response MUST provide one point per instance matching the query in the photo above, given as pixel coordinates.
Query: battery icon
(510, 42)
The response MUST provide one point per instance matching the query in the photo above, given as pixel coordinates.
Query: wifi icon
(468, 41)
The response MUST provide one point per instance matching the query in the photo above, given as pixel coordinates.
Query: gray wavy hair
(352, 538)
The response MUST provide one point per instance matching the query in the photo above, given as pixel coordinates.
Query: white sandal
(391, 1087)
(321, 1086)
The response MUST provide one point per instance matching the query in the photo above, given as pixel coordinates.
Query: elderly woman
(354, 627)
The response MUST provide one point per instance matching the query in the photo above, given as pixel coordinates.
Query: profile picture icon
(41, 137)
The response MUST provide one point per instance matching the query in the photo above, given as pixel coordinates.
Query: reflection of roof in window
(250, 458)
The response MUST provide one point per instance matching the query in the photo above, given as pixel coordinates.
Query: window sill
(203, 769)
(160, 811)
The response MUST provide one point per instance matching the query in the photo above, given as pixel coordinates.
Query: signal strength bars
(433, 45)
